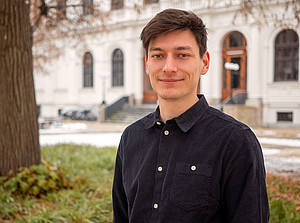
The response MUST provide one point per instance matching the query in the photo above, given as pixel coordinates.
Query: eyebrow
(176, 48)
(155, 49)
(184, 48)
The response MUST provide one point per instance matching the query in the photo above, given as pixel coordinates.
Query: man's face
(174, 65)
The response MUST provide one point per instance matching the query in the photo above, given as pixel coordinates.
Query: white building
(266, 57)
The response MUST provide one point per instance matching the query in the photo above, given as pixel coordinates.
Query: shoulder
(226, 120)
(236, 133)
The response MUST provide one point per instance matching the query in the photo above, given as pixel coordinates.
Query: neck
(173, 108)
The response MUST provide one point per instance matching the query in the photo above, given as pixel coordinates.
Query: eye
(184, 55)
(156, 56)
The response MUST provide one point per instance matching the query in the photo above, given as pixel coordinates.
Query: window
(61, 9)
(39, 110)
(236, 39)
(88, 7)
(150, 1)
(117, 4)
(285, 116)
(117, 68)
(87, 70)
(287, 56)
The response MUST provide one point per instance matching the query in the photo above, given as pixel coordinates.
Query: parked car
(76, 114)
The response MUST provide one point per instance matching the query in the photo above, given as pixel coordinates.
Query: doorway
(234, 62)
(149, 96)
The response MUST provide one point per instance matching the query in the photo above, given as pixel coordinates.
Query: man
(186, 162)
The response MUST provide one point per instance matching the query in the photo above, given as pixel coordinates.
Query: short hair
(172, 20)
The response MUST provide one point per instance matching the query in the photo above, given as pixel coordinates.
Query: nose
(170, 65)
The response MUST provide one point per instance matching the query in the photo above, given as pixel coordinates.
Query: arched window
(150, 1)
(88, 70)
(88, 7)
(117, 4)
(286, 56)
(117, 68)
(61, 8)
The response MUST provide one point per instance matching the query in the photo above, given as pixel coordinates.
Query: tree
(259, 12)
(19, 142)
(21, 23)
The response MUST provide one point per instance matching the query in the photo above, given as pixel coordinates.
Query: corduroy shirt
(202, 166)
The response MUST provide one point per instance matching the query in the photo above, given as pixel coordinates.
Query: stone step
(129, 114)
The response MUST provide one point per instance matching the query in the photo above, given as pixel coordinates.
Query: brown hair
(171, 20)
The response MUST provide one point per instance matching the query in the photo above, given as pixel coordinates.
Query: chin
(169, 96)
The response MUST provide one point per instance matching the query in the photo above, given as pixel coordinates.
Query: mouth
(170, 80)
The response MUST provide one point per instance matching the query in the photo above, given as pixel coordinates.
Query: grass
(90, 168)
(284, 199)
(89, 200)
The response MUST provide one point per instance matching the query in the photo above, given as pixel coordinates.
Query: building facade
(259, 60)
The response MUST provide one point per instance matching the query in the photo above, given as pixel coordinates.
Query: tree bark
(19, 139)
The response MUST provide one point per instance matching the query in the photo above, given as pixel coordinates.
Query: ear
(205, 60)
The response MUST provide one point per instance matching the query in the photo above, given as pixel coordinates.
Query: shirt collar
(186, 120)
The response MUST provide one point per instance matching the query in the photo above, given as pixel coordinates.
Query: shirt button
(193, 168)
(158, 123)
(155, 206)
(159, 169)
(166, 132)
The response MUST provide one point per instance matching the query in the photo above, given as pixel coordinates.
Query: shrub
(37, 180)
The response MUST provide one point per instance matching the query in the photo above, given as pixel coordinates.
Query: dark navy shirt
(203, 166)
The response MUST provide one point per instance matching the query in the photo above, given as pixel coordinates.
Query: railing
(238, 97)
(113, 108)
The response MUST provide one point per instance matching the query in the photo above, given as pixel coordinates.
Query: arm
(120, 205)
(244, 193)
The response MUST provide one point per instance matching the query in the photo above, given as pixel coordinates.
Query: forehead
(174, 39)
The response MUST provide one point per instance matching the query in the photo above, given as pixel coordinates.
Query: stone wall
(247, 114)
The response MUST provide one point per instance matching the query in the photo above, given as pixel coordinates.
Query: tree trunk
(19, 139)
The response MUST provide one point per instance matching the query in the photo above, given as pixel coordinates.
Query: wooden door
(234, 56)
(149, 96)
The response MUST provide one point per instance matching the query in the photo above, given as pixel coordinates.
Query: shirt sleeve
(120, 205)
(244, 194)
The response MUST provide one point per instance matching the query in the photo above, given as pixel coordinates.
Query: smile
(170, 80)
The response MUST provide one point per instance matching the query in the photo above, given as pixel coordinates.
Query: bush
(37, 180)
(284, 194)
(85, 198)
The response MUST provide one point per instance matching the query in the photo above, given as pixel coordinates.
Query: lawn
(74, 185)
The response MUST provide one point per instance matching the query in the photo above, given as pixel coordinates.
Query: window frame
(61, 9)
(117, 4)
(148, 2)
(281, 60)
(87, 7)
(88, 71)
(285, 116)
(117, 68)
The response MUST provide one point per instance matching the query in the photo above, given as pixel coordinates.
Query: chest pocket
(191, 186)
